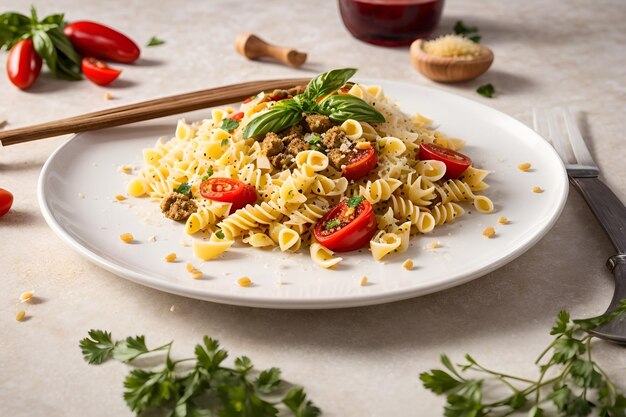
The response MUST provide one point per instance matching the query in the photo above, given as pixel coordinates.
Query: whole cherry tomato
(99, 41)
(456, 162)
(23, 64)
(98, 72)
(348, 226)
(360, 163)
(6, 201)
(229, 190)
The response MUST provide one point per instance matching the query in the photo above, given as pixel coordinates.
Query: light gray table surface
(353, 362)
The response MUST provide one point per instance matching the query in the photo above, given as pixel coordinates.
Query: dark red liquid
(390, 22)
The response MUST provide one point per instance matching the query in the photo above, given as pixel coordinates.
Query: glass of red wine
(390, 22)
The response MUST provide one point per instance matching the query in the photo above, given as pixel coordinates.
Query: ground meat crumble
(178, 206)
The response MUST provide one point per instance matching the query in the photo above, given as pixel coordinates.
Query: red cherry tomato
(360, 163)
(237, 116)
(98, 72)
(23, 64)
(229, 190)
(249, 99)
(6, 201)
(456, 162)
(99, 41)
(346, 228)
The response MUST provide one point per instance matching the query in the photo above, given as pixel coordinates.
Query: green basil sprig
(49, 41)
(338, 107)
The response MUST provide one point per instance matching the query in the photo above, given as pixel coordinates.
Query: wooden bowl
(450, 70)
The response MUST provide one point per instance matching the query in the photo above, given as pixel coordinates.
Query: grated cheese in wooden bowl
(451, 46)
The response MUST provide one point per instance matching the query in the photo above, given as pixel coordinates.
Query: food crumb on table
(26, 296)
(503, 220)
(537, 189)
(433, 245)
(170, 257)
(81, 196)
(172, 308)
(363, 281)
(108, 96)
(524, 167)
(125, 169)
(120, 197)
(20, 315)
(152, 239)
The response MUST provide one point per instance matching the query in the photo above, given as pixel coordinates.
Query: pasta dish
(333, 166)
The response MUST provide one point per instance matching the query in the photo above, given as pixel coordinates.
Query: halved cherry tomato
(237, 116)
(456, 162)
(23, 64)
(229, 190)
(361, 162)
(249, 99)
(6, 201)
(99, 41)
(98, 72)
(347, 226)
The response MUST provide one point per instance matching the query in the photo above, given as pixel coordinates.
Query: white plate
(78, 182)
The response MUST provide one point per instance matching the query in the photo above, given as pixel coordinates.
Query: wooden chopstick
(146, 110)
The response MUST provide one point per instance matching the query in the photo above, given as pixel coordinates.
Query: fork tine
(556, 135)
(578, 144)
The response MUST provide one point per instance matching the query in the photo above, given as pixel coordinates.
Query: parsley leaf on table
(486, 90)
(154, 41)
(470, 32)
(575, 384)
(184, 393)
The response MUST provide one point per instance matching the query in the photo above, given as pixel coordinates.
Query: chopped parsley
(229, 125)
(355, 201)
(315, 143)
(470, 32)
(332, 224)
(224, 142)
(219, 234)
(209, 172)
(183, 188)
(154, 41)
(486, 90)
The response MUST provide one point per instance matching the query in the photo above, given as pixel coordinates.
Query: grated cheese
(451, 46)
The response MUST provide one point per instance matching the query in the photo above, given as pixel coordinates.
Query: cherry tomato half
(98, 72)
(456, 162)
(237, 116)
(6, 201)
(346, 228)
(229, 190)
(23, 64)
(99, 41)
(360, 163)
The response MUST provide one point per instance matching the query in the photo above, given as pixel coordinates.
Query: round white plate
(78, 184)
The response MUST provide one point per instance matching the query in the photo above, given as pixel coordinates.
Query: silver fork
(559, 127)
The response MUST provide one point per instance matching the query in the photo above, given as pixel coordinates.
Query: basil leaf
(281, 116)
(45, 49)
(13, 28)
(328, 82)
(486, 90)
(54, 19)
(341, 107)
(229, 125)
(355, 201)
(64, 46)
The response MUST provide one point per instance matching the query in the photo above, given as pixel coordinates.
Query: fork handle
(609, 210)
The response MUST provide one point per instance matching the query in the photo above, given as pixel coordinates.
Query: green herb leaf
(470, 32)
(224, 142)
(229, 125)
(486, 90)
(148, 389)
(567, 348)
(209, 354)
(438, 381)
(219, 234)
(130, 349)
(601, 320)
(332, 223)
(154, 41)
(341, 107)
(209, 173)
(13, 28)
(562, 320)
(284, 114)
(98, 347)
(584, 375)
(242, 363)
(355, 201)
(328, 82)
(296, 401)
(268, 380)
(184, 189)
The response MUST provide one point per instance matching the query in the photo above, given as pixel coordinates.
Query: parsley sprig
(569, 379)
(207, 389)
(470, 32)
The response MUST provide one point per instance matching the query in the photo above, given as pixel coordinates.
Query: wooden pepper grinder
(252, 47)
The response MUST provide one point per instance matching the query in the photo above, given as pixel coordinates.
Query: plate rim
(315, 302)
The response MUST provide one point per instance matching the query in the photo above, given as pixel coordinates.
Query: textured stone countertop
(354, 362)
